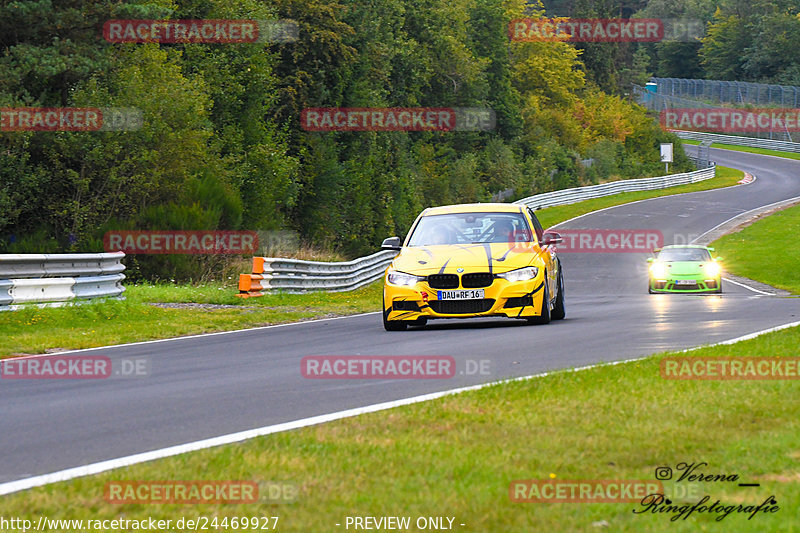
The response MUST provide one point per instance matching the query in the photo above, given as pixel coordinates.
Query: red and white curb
(748, 178)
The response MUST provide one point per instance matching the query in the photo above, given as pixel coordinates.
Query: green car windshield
(684, 254)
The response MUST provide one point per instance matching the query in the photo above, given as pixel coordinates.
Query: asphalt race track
(207, 386)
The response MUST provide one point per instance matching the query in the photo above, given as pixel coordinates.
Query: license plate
(467, 294)
(685, 282)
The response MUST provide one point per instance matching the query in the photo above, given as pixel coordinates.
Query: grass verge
(36, 330)
(456, 456)
(766, 250)
(749, 149)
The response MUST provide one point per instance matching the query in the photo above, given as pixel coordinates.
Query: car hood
(488, 257)
(685, 268)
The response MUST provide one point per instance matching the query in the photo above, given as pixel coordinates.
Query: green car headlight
(658, 270)
(402, 279)
(712, 270)
(520, 274)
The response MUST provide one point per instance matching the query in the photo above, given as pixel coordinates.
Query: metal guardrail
(577, 194)
(54, 265)
(57, 278)
(753, 142)
(296, 275)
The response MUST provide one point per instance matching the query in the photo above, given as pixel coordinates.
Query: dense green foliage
(744, 40)
(222, 146)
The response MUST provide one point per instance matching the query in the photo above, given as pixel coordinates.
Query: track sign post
(666, 155)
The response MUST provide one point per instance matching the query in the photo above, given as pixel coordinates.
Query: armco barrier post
(5, 296)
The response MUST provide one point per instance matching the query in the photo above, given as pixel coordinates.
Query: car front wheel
(559, 311)
(544, 317)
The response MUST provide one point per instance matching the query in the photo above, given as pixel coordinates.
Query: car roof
(488, 207)
(674, 246)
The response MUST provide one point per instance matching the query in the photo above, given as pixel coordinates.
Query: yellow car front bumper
(517, 299)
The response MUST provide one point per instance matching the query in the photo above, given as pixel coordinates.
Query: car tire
(559, 311)
(391, 325)
(544, 318)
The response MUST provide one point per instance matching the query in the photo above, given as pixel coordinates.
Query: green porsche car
(684, 268)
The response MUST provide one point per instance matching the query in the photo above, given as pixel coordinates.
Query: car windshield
(470, 228)
(684, 254)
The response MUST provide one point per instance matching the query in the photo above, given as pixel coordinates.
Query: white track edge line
(112, 464)
(743, 214)
(739, 215)
(745, 337)
(728, 280)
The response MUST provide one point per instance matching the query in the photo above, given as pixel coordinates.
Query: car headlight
(712, 269)
(401, 278)
(520, 274)
(658, 270)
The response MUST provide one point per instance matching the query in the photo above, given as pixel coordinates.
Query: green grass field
(766, 251)
(36, 330)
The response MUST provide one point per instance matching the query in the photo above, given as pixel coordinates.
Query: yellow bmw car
(473, 260)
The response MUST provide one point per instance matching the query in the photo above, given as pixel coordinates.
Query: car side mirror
(710, 249)
(651, 259)
(717, 259)
(392, 243)
(551, 237)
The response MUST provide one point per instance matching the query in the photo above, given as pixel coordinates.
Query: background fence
(295, 275)
(658, 101)
(732, 92)
(53, 279)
